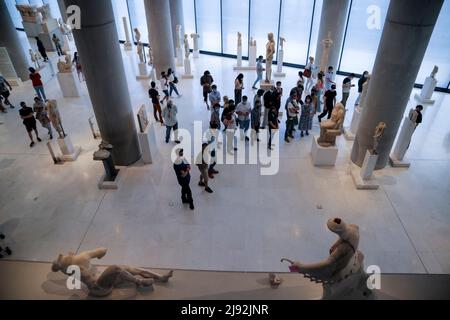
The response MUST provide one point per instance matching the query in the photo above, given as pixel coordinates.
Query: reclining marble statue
(342, 273)
(332, 128)
(102, 284)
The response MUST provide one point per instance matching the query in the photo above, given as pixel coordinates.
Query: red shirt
(36, 79)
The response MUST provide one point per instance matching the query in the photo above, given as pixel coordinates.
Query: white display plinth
(32, 29)
(363, 178)
(187, 70)
(128, 46)
(267, 85)
(279, 72)
(402, 144)
(65, 47)
(7, 69)
(69, 152)
(252, 56)
(180, 55)
(113, 185)
(153, 74)
(196, 54)
(143, 72)
(70, 85)
(350, 132)
(427, 91)
(149, 147)
(323, 156)
(239, 57)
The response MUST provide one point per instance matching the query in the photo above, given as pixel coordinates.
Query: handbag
(175, 79)
(295, 121)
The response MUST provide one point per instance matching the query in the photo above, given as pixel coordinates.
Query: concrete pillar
(11, 41)
(177, 18)
(62, 8)
(160, 34)
(333, 19)
(406, 34)
(98, 46)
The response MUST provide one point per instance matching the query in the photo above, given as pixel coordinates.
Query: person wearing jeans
(259, 71)
(292, 109)
(170, 120)
(172, 85)
(182, 170)
(243, 110)
(37, 83)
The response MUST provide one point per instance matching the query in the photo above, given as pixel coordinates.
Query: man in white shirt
(243, 111)
(329, 78)
(164, 86)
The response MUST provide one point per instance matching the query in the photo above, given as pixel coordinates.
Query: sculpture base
(143, 72)
(196, 54)
(149, 147)
(395, 163)
(349, 135)
(69, 152)
(423, 101)
(113, 185)
(279, 74)
(363, 177)
(70, 85)
(128, 46)
(187, 70)
(267, 85)
(244, 68)
(323, 157)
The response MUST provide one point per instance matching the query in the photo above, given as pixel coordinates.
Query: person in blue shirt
(259, 71)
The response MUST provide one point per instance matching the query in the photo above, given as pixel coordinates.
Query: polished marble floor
(250, 221)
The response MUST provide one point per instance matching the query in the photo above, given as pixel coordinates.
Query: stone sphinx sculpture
(65, 66)
(378, 135)
(332, 128)
(342, 272)
(102, 284)
(270, 51)
(51, 107)
(187, 49)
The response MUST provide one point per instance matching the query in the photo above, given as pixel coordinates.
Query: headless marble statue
(239, 39)
(187, 49)
(379, 132)
(343, 271)
(332, 128)
(35, 56)
(53, 113)
(102, 284)
(66, 66)
(282, 41)
(270, 51)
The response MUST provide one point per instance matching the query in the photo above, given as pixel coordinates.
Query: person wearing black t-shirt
(330, 101)
(273, 124)
(182, 170)
(27, 114)
(154, 96)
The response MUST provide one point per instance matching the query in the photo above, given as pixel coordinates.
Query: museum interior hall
(225, 149)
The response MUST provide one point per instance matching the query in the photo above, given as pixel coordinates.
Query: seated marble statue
(344, 262)
(332, 128)
(66, 66)
(101, 285)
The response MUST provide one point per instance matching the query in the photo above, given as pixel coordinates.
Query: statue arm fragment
(322, 270)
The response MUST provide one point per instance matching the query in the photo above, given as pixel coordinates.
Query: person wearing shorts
(27, 114)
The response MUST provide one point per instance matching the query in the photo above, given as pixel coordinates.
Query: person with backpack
(173, 80)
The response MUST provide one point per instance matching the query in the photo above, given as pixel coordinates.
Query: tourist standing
(238, 87)
(230, 122)
(57, 43)
(173, 80)
(214, 96)
(243, 111)
(273, 124)
(206, 82)
(164, 82)
(256, 113)
(182, 170)
(269, 102)
(278, 95)
(361, 82)
(170, 120)
(319, 88)
(76, 61)
(346, 87)
(4, 92)
(154, 96)
(292, 110)
(203, 168)
(37, 83)
(259, 71)
(329, 78)
(306, 116)
(27, 115)
(310, 74)
(41, 48)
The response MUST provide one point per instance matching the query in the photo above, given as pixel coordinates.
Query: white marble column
(176, 18)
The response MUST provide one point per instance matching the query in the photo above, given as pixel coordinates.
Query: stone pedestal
(127, 45)
(239, 56)
(32, 29)
(322, 156)
(70, 85)
(66, 46)
(279, 72)
(180, 55)
(69, 152)
(350, 132)
(187, 70)
(427, 91)
(397, 157)
(149, 147)
(153, 74)
(143, 72)
(267, 85)
(196, 54)
(113, 185)
(46, 72)
(252, 56)
(363, 178)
